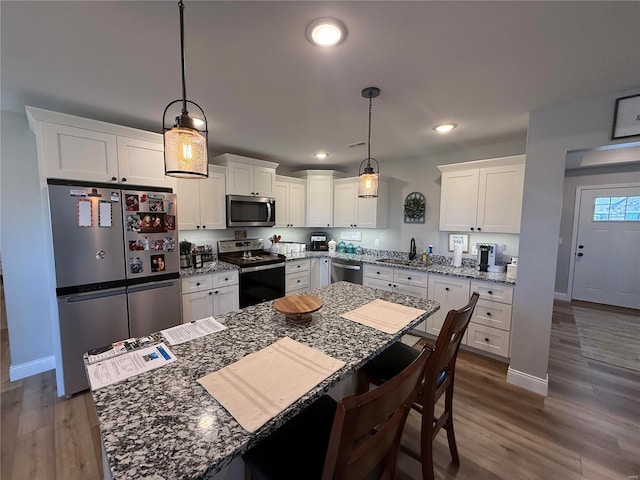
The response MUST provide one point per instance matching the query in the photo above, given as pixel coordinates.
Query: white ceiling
(270, 94)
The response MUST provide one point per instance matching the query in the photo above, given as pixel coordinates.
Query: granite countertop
(163, 424)
(440, 265)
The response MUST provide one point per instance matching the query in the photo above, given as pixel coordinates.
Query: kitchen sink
(395, 261)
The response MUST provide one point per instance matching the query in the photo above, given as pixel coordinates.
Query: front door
(607, 262)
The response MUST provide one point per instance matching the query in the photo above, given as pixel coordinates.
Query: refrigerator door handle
(81, 297)
(150, 286)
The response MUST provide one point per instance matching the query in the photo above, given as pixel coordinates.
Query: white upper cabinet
(248, 176)
(290, 195)
(201, 203)
(82, 149)
(482, 196)
(349, 210)
(319, 197)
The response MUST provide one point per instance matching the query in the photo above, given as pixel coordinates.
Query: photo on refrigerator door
(136, 265)
(152, 223)
(169, 244)
(157, 263)
(132, 202)
(157, 244)
(138, 245)
(169, 223)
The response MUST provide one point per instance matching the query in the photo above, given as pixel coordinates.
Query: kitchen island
(164, 425)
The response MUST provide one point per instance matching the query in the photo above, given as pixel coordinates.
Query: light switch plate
(357, 236)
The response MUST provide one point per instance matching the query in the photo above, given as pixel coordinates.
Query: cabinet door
(500, 198)
(197, 305)
(450, 293)
(459, 200)
(239, 179)
(79, 154)
(344, 204)
(319, 200)
(320, 272)
(142, 163)
(281, 194)
(188, 191)
(213, 213)
(264, 179)
(297, 204)
(226, 299)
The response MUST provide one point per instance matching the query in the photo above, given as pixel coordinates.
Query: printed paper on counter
(128, 365)
(189, 331)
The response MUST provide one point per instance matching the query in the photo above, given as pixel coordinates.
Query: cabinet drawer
(196, 284)
(374, 271)
(228, 277)
(411, 290)
(418, 279)
(297, 266)
(488, 339)
(493, 314)
(297, 280)
(378, 283)
(493, 291)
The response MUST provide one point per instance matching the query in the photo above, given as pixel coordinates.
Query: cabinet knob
(114, 179)
(389, 284)
(472, 229)
(486, 340)
(226, 279)
(490, 292)
(580, 254)
(479, 229)
(216, 292)
(197, 226)
(124, 179)
(198, 284)
(580, 246)
(488, 314)
(409, 278)
(298, 281)
(204, 226)
(446, 288)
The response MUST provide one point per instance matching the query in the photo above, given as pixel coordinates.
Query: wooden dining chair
(438, 380)
(355, 438)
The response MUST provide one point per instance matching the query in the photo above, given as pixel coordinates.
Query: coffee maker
(490, 257)
(319, 242)
(185, 254)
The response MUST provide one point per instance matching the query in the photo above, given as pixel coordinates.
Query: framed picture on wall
(626, 118)
(459, 239)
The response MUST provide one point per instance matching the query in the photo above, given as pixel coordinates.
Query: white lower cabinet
(320, 272)
(209, 295)
(490, 326)
(297, 276)
(451, 293)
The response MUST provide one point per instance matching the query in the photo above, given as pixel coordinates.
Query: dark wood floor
(587, 428)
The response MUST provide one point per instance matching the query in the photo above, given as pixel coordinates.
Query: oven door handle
(259, 268)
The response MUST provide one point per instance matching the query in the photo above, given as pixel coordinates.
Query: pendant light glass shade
(368, 176)
(185, 146)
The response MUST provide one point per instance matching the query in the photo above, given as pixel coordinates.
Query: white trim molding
(525, 380)
(562, 296)
(26, 369)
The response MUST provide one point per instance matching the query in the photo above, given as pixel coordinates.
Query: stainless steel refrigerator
(117, 267)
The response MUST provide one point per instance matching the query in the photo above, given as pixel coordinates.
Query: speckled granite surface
(209, 267)
(164, 425)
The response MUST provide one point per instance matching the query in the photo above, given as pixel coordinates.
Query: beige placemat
(382, 315)
(262, 384)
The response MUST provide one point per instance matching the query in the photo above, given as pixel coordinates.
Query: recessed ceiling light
(321, 155)
(326, 32)
(445, 127)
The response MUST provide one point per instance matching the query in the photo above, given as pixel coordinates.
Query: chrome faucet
(412, 249)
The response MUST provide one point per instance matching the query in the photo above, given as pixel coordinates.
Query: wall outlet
(376, 243)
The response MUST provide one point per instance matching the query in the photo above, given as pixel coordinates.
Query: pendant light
(185, 145)
(368, 177)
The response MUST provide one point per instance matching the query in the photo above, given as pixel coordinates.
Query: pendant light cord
(184, 84)
(369, 140)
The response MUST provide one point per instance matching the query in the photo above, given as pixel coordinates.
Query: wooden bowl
(298, 308)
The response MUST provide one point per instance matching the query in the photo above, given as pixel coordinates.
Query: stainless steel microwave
(249, 211)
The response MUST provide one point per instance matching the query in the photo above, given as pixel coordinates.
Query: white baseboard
(524, 380)
(562, 296)
(24, 370)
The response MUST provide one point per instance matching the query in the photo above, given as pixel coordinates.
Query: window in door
(616, 209)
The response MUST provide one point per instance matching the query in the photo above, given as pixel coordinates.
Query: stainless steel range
(261, 273)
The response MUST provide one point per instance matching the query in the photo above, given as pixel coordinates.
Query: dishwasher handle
(346, 267)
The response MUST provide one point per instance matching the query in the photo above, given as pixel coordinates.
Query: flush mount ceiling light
(368, 181)
(445, 127)
(326, 32)
(321, 155)
(185, 144)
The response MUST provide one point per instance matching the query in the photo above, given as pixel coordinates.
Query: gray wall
(577, 178)
(24, 242)
(552, 132)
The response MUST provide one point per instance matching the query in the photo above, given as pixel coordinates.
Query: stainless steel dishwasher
(347, 270)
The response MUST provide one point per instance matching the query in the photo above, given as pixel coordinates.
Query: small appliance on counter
(490, 258)
(332, 246)
(185, 254)
(318, 242)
